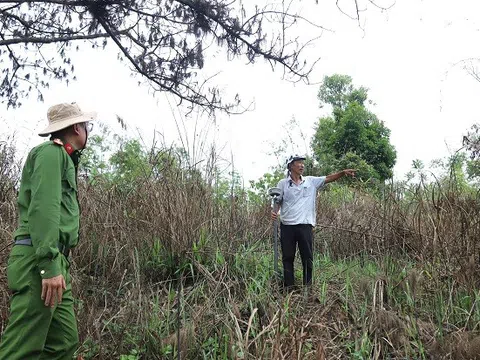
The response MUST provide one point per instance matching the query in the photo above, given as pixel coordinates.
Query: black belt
(65, 250)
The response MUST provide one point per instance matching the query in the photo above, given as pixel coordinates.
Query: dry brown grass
(434, 224)
(136, 244)
(458, 346)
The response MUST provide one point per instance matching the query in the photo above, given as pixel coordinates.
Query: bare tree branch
(34, 40)
(165, 41)
(383, 8)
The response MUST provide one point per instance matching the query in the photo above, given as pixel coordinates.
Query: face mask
(75, 156)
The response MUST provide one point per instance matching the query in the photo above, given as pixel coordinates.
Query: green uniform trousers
(35, 331)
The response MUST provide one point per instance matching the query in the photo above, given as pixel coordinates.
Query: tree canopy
(353, 136)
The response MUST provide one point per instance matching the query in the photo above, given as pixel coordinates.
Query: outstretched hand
(349, 172)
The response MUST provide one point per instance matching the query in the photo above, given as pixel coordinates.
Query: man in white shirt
(298, 215)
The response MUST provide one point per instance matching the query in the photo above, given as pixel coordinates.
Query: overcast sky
(405, 56)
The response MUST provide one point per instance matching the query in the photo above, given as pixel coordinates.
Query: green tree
(259, 188)
(352, 132)
(127, 163)
(337, 90)
(131, 163)
(471, 143)
(94, 162)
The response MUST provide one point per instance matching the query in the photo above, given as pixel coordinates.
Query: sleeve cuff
(50, 268)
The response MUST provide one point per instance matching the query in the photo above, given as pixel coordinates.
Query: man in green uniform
(42, 322)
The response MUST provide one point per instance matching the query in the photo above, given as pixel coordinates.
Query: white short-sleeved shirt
(298, 201)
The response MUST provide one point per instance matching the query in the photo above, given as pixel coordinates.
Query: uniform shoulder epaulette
(58, 142)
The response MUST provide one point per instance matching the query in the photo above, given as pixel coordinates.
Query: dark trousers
(290, 235)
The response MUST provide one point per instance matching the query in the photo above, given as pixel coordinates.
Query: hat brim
(296, 159)
(60, 125)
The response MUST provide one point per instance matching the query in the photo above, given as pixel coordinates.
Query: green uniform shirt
(48, 205)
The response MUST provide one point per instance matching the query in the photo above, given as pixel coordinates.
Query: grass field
(157, 274)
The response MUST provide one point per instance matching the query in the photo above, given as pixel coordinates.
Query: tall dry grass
(167, 264)
(431, 223)
(9, 177)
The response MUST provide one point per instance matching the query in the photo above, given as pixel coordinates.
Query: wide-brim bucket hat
(64, 115)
